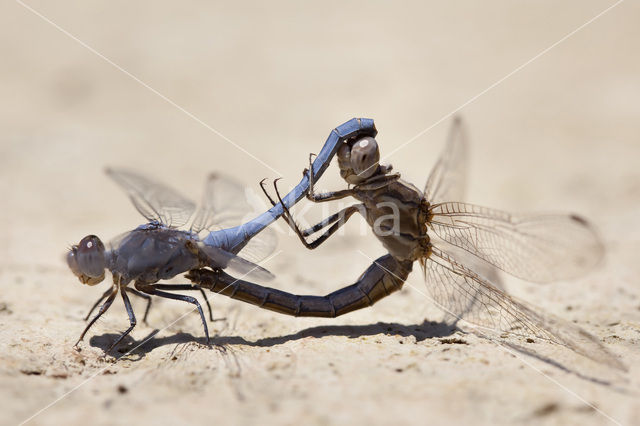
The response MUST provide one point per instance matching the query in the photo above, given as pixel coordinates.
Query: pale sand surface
(560, 134)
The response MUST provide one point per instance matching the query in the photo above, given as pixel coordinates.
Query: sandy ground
(256, 88)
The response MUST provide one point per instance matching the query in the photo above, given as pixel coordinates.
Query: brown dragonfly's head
(87, 260)
(359, 160)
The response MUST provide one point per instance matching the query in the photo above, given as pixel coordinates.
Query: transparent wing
(227, 203)
(115, 242)
(223, 204)
(467, 296)
(484, 269)
(447, 180)
(154, 200)
(538, 248)
(260, 246)
(245, 269)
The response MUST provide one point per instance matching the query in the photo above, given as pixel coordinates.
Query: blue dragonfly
(159, 250)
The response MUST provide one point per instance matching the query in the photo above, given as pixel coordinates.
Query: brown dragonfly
(433, 227)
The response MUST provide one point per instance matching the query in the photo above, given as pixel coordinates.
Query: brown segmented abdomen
(385, 276)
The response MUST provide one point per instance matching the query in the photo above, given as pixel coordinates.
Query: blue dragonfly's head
(87, 260)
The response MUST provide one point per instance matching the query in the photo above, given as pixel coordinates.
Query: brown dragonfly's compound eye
(365, 156)
(344, 156)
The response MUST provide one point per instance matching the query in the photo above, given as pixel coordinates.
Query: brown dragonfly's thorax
(396, 213)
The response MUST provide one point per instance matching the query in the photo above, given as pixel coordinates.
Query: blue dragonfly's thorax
(150, 226)
(154, 252)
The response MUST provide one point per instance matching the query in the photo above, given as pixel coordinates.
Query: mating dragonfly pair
(433, 227)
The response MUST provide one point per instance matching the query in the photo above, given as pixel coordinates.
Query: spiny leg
(151, 289)
(304, 173)
(132, 320)
(148, 299)
(264, 190)
(143, 296)
(341, 217)
(206, 300)
(328, 196)
(95, 305)
(189, 287)
(329, 220)
(286, 215)
(315, 228)
(102, 310)
(316, 198)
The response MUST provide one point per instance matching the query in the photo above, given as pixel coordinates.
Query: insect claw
(264, 190)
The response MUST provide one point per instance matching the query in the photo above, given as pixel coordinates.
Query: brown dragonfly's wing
(539, 248)
(447, 180)
(155, 201)
(481, 267)
(467, 296)
(225, 204)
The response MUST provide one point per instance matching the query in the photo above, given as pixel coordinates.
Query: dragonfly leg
(328, 196)
(151, 289)
(103, 309)
(343, 214)
(339, 218)
(326, 222)
(143, 296)
(315, 228)
(206, 301)
(316, 198)
(95, 305)
(264, 190)
(132, 320)
(385, 276)
(189, 287)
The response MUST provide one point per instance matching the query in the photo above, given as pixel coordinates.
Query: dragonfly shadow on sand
(138, 349)
(424, 331)
(564, 366)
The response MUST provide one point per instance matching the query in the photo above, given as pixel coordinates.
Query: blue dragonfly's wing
(447, 180)
(243, 268)
(115, 242)
(227, 203)
(224, 203)
(155, 201)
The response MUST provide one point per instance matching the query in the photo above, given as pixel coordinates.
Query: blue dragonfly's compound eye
(365, 156)
(72, 261)
(87, 260)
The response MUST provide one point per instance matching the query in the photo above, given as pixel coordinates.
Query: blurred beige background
(274, 78)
